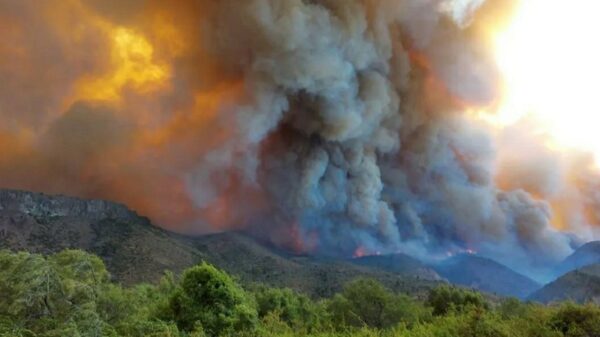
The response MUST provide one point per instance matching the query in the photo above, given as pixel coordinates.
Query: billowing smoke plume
(323, 125)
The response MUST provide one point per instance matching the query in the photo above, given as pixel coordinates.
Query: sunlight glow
(133, 65)
(550, 59)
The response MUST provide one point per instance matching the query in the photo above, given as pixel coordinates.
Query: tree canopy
(71, 294)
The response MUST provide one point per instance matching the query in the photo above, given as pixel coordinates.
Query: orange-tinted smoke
(120, 100)
(115, 100)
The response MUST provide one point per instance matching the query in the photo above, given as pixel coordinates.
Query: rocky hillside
(131, 247)
(136, 251)
(580, 285)
(486, 275)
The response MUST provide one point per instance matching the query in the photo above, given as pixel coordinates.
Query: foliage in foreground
(70, 294)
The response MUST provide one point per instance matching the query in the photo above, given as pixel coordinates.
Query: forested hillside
(134, 250)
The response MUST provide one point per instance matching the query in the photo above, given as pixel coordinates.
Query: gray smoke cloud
(364, 157)
(339, 124)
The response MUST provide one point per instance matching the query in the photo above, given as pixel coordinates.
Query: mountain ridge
(587, 254)
(136, 251)
(487, 275)
(580, 285)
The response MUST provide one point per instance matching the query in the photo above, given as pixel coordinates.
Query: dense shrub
(366, 302)
(445, 299)
(69, 294)
(296, 310)
(209, 299)
(577, 321)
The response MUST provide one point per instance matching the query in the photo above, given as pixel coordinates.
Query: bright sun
(550, 58)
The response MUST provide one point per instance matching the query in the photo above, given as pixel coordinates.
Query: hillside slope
(585, 255)
(487, 275)
(580, 285)
(136, 251)
(398, 263)
(133, 249)
(251, 262)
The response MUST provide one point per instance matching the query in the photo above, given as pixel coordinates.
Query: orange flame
(359, 252)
